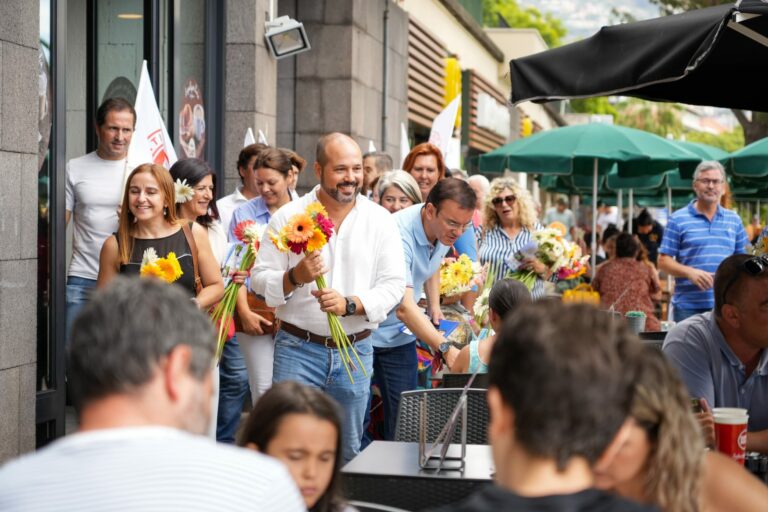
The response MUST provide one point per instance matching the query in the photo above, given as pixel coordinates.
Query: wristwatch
(444, 347)
(350, 308)
(292, 279)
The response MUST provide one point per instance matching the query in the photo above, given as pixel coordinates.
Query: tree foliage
(663, 119)
(730, 141)
(676, 6)
(596, 105)
(513, 15)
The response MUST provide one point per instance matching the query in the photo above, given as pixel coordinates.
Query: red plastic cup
(731, 432)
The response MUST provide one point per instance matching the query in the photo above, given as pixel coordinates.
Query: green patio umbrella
(750, 161)
(589, 150)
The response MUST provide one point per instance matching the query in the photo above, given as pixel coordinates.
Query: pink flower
(239, 230)
(325, 224)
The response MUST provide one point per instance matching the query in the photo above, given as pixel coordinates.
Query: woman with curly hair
(510, 220)
(663, 462)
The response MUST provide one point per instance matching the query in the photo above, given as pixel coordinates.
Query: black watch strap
(292, 279)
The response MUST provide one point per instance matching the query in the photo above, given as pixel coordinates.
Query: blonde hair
(526, 209)
(662, 407)
(127, 219)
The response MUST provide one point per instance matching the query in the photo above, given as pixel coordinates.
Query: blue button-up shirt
(422, 260)
(711, 370)
(255, 210)
(695, 241)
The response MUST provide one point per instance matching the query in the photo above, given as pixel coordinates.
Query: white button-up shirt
(228, 204)
(364, 258)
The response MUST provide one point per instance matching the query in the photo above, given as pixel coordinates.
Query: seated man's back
(145, 468)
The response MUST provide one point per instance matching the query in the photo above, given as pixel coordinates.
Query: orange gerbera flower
(300, 228)
(317, 241)
(151, 270)
(170, 269)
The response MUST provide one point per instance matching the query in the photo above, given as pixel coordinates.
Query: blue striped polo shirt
(693, 240)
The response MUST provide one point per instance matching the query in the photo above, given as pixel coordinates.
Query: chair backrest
(440, 404)
(459, 380)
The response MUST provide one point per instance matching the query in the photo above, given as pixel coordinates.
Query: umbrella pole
(620, 207)
(594, 217)
(669, 200)
(631, 200)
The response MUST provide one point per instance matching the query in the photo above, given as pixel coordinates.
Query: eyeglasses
(707, 182)
(753, 266)
(510, 200)
(453, 224)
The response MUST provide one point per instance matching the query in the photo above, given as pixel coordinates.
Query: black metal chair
(459, 380)
(440, 405)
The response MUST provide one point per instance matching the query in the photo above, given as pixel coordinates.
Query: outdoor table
(388, 473)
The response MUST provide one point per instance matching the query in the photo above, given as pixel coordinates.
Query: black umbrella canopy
(715, 56)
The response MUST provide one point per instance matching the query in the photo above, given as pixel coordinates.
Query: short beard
(341, 198)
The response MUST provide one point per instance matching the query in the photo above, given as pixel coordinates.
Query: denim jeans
(79, 291)
(233, 388)
(309, 363)
(394, 371)
(680, 314)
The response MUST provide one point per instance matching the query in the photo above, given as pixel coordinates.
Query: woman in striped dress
(510, 220)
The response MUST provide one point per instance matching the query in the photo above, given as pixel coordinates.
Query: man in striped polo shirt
(697, 238)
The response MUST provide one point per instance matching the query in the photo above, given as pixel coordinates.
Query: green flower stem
(224, 310)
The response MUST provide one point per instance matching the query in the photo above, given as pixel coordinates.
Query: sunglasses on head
(753, 266)
(510, 200)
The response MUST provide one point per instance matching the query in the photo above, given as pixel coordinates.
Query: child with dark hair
(301, 427)
(504, 297)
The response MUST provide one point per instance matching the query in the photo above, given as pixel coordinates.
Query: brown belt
(325, 341)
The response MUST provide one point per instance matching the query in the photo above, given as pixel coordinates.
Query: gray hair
(482, 181)
(402, 180)
(125, 330)
(708, 165)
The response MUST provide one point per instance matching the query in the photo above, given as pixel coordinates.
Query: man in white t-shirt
(560, 213)
(140, 373)
(93, 187)
(248, 188)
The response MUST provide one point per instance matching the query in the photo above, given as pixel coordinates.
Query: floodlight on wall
(285, 37)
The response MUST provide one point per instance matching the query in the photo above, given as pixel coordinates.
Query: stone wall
(19, 22)
(251, 82)
(337, 86)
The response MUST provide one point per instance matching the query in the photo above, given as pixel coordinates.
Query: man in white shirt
(562, 214)
(140, 372)
(364, 269)
(248, 188)
(93, 187)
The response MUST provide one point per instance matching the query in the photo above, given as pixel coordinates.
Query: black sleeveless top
(176, 243)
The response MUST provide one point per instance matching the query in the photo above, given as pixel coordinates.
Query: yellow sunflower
(317, 241)
(170, 270)
(300, 228)
(315, 208)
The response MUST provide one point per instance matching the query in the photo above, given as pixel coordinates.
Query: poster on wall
(192, 120)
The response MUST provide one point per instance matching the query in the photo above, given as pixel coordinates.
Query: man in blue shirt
(721, 354)
(697, 238)
(427, 231)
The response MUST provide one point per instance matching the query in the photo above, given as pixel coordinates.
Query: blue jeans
(233, 388)
(309, 363)
(680, 314)
(394, 370)
(79, 291)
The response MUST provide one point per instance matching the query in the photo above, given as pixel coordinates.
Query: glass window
(189, 51)
(119, 48)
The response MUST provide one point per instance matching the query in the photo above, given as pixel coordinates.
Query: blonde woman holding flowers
(149, 228)
(510, 221)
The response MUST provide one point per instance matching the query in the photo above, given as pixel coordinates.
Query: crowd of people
(583, 416)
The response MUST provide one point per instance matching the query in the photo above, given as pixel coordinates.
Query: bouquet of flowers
(250, 234)
(458, 275)
(550, 247)
(167, 269)
(481, 306)
(761, 246)
(305, 233)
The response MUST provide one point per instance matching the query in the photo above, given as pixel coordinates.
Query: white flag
(371, 146)
(263, 138)
(249, 138)
(150, 142)
(442, 126)
(405, 147)
(453, 155)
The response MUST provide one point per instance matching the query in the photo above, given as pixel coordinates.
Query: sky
(583, 18)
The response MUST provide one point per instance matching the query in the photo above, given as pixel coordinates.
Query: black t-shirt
(493, 498)
(652, 240)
